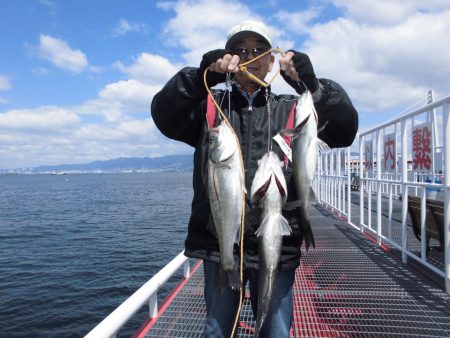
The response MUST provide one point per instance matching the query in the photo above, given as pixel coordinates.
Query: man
(179, 111)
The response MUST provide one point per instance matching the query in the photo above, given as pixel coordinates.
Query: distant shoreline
(95, 172)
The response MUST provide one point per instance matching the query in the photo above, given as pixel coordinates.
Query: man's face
(260, 67)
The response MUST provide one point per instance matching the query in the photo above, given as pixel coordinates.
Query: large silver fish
(226, 189)
(269, 191)
(305, 148)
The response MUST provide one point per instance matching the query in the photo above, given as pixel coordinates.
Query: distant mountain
(165, 163)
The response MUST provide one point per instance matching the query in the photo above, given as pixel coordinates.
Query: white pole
(404, 140)
(445, 110)
(379, 142)
(361, 182)
(349, 188)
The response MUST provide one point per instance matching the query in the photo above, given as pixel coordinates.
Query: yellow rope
(243, 69)
(223, 116)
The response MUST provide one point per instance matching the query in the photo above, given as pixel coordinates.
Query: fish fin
(322, 128)
(281, 186)
(293, 132)
(322, 145)
(282, 227)
(312, 195)
(258, 195)
(262, 228)
(229, 279)
(210, 225)
(237, 239)
(289, 132)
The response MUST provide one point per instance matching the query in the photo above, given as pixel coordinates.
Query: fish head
(222, 143)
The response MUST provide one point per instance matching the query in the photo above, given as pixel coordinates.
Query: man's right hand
(218, 62)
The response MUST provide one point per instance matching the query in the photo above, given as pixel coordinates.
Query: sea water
(74, 247)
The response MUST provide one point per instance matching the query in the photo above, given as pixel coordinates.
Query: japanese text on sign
(421, 149)
(389, 152)
(369, 156)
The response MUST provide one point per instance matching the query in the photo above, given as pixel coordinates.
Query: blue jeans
(222, 305)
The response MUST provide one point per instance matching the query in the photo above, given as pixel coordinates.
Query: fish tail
(262, 314)
(264, 301)
(308, 236)
(229, 279)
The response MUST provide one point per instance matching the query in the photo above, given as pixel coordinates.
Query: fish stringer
(241, 244)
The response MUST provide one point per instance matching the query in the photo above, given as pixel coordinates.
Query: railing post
(332, 176)
(391, 188)
(153, 305)
(186, 269)
(349, 188)
(339, 181)
(379, 185)
(404, 140)
(361, 182)
(445, 110)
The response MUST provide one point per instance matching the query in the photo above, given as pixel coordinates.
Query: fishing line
(269, 113)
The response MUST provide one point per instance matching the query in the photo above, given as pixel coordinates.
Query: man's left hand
(296, 67)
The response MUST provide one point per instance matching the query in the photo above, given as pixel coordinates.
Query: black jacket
(179, 111)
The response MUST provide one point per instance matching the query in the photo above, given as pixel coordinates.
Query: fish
(305, 148)
(226, 189)
(269, 190)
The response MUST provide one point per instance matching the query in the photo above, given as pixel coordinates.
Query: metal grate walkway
(347, 287)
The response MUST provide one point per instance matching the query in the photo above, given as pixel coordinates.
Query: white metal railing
(383, 192)
(146, 293)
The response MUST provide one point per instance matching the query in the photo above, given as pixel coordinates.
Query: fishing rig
(242, 67)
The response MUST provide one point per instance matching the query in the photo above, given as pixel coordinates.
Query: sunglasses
(244, 52)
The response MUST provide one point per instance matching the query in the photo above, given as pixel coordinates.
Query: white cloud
(149, 68)
(3, 100)
(5, 82)
(388, 12)
(133, 95)
(110, 111)
(61, 54)
(131, 131)
(386, 54)
(209, 32)
(48, 119)
(383, 66)
(298, 22)
(85, 143)
(124, 27)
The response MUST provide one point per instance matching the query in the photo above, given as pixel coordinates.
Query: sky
(77, 77)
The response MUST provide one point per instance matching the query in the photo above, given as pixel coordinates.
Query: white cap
(247, 26)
